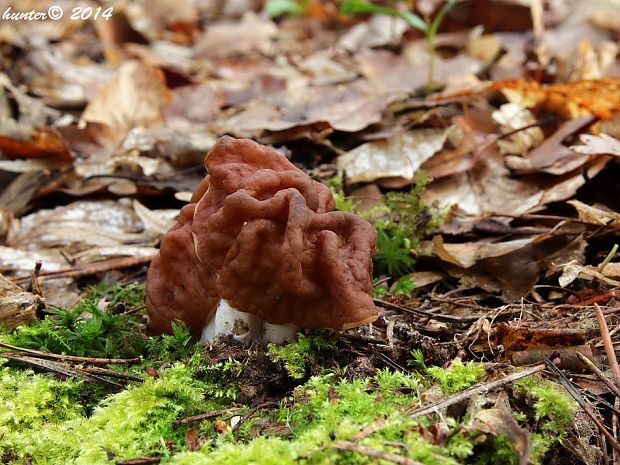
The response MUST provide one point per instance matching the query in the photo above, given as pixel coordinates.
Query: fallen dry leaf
(602, 144)
(346, 108)
(512, 118)
(595, 215)
(135, 97)
(551, 156)
(17, 307)
(500, 422)
(399, 156)
(251, 34)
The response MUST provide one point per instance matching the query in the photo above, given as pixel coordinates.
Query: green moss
(457, 376)
(553, 412)
(327, 409)
(131, 423)
(89, 328)
(295, 354)
(401, 222)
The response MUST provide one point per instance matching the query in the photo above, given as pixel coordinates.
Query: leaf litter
(502, 260)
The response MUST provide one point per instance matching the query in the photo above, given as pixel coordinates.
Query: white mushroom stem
(244, 327)
(278, 334)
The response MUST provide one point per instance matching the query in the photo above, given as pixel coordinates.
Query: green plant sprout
(276, 8)
(294, 354)
(404, 286)
(400, 222)
(428, 27)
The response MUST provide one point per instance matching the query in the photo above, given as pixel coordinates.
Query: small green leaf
(414, 21)
(281, 7)
(352, 7)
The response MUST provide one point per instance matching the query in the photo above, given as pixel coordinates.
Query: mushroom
(260, 252)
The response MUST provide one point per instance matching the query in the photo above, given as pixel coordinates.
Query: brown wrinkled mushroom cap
(267, 240)
(178, 287)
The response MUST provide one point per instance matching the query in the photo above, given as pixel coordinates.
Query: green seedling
(276, 8)
(427, 26)
(404, 286)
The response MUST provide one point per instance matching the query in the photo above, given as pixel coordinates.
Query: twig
(563, 380)
(251, 412)
(61, 369)
(71, 358)
(479, 388)
(106, 372)
(609, 346)
(425, 314)
(91, 268)
(598, 372)
(374, 453)
(146, 460)
(201, 417)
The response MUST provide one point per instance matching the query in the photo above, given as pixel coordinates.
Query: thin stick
(374, 453)
(598, 372)
(110, 373)
(91, 268)
(251, 412)
(425, 314)
(479, 388)
(609, 346)
(70, 358)
(201, 417)
(62, 369)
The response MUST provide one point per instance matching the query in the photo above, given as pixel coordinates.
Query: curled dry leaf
(509, 269)
(596, 215)
(345, 108)
(135, 97)
(399, 156)
(528, 343)
(501, 422)
(551, 156)
(17, 306)
(603, 144)
(251, 34)
(573, 271)
(511, 117)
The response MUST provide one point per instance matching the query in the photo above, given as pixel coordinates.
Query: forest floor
(478, 137)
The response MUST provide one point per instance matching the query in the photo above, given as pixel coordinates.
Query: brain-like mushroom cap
(178, 286)
(270, 243)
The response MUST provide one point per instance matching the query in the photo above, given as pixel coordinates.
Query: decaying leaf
(596, 215)
(602, 144)
(511, 118)
(399, 156)
(346, 108)
(500, 422)
(135, 97)
(526, 344)
(252, 33)
(17, 306)
(551, 156)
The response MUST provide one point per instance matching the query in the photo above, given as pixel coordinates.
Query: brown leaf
(251, 34)
(399, 156)
(551, 156)
(135, 97)
(499, 421)
(603, 144)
